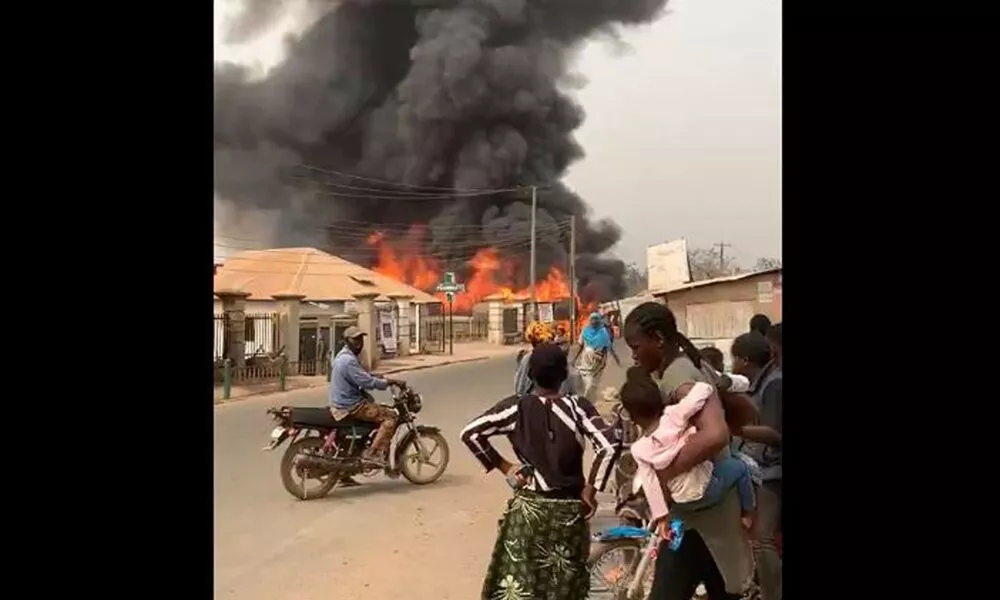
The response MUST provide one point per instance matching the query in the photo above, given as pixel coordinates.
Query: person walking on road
(543, 542)
(714, 550)
(349, 397)
(593, 347)
(761, 441)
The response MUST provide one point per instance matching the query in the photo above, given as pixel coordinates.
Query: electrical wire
(442, 256)
(415, 186)
(347, 232)
(228, 267)
(443, 197)
(406, 195)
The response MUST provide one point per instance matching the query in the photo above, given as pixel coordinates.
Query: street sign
(449, 286)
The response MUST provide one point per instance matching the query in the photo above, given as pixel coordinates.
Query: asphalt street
(386, 539)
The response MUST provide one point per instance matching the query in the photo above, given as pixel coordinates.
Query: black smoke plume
(448, 94)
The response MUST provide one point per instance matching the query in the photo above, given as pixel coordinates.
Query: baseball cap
(353, 332)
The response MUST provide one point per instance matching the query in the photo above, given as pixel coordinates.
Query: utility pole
(722, 255)
(572, 278)
(534, 209)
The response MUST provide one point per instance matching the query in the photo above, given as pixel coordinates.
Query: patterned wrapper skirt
(541, 551)
(591, 365)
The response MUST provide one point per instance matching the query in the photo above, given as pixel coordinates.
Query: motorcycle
(328, 451)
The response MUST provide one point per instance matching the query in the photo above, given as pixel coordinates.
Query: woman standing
(537, 333)
(592, 353)
(542, 546)
(714, 550)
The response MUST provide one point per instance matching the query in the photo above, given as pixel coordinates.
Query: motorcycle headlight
(414, 403)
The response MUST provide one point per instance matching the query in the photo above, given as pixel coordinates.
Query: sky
(683, 132)
(683, 129)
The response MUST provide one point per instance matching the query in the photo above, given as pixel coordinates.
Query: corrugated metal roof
(716, 280)
(315, 274)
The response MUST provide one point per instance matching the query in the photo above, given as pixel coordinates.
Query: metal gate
(511, 332)
(313, 350)
(432, 333)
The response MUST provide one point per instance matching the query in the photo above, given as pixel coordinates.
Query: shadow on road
(392, 487)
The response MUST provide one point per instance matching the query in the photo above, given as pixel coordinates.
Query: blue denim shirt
(348, 378)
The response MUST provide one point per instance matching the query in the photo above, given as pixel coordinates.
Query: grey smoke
(436, 93)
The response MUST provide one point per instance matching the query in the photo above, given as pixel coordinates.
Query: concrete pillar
(418, 310)
(403, 304)
(494, 329)
(234, 307)
(367, 324)
(289, 306)
(323, 344)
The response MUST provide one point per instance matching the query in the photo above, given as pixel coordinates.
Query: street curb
(456, 361)
(220, 401)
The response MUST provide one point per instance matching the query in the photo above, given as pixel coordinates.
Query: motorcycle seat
(314, 417)
(321, 418)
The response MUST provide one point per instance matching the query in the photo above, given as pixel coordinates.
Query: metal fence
(260, 335)
(437, 330)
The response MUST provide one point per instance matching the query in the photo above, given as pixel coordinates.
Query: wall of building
(262, 335)
(713, 315)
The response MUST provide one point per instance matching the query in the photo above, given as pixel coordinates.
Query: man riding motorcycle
(349, 397)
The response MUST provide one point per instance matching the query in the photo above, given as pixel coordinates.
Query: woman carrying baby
(714, 549)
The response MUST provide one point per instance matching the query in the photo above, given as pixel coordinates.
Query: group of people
(587, 357)
(710, 455)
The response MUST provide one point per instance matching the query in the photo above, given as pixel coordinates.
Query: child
(666, 429)
(727, 382)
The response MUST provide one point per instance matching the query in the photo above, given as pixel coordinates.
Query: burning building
(420, 124)
(487, 276)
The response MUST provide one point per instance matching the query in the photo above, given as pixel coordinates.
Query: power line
(464, 195)
(442, 253)
(229, 266)
(400, 238)
(409, 185)
(404, 194)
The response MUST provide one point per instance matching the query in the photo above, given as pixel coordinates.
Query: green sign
(449, 286)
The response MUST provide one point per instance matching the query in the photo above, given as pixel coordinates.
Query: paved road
(386, 539)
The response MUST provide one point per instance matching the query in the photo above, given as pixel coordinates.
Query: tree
(705, 263)
(765, 263)
(636, 281)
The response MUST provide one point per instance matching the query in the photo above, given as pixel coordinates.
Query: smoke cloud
(436, 93)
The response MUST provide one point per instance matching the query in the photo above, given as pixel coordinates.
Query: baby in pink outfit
(666, 430)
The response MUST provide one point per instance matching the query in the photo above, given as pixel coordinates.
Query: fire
(488, 274)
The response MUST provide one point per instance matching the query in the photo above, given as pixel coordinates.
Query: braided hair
(654, 317)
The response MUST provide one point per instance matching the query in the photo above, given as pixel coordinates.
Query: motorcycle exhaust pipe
(310, 461)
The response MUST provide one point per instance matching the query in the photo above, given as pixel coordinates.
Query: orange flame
(489, 274)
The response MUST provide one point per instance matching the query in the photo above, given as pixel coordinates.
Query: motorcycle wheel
(293, 477)
(412, 467)
(623, 555)
(612, 565)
